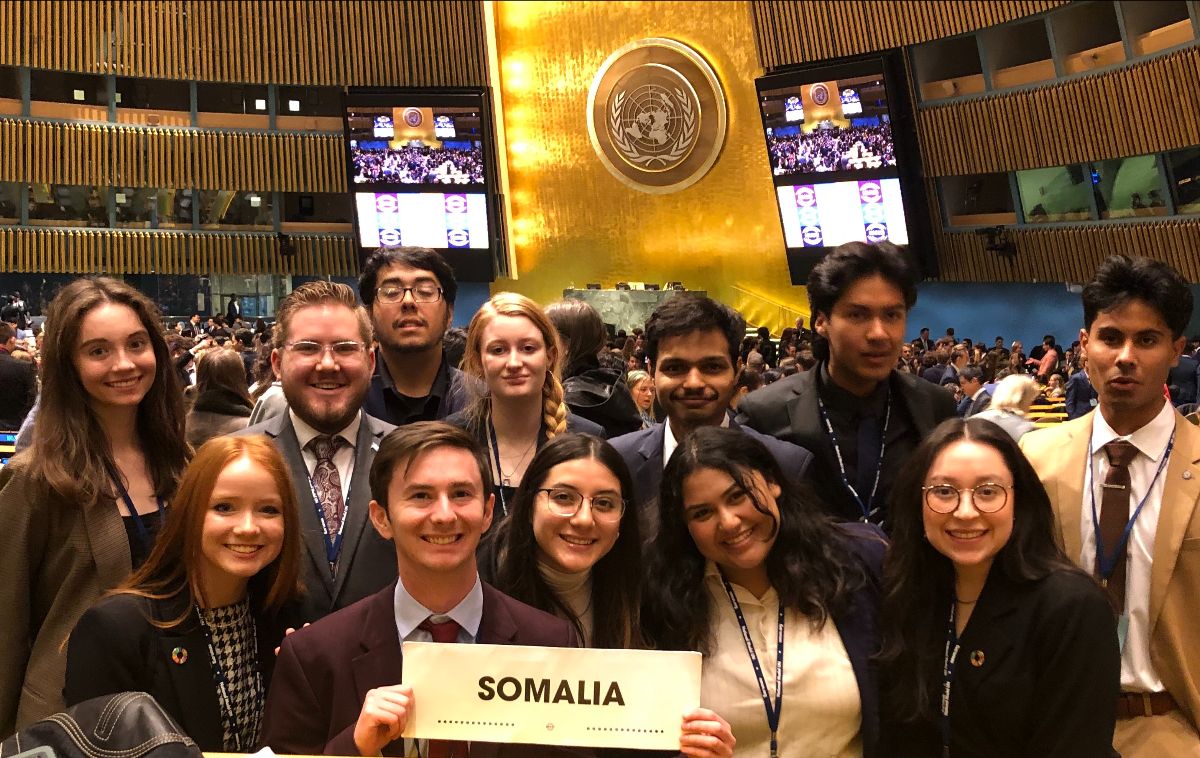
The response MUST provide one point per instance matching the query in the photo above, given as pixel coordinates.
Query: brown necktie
(444, 631)
(327, 482)
(1114, 515)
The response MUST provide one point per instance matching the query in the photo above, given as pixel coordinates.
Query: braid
(554, 410)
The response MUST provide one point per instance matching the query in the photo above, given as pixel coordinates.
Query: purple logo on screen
(387, 203)
(819, 94)
(806, 196)
(456, 203)
(413, 117)
(812, 236)
(876, 232)
(389, 237)
(869, 192)
(458, 238)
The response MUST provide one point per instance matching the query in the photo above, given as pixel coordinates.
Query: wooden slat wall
(88, 251)
(103, 155)
(1144, 108)
(800, 31)
(320, 42)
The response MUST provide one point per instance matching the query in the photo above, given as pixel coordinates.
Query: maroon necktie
(444, 631)
(1114, 515)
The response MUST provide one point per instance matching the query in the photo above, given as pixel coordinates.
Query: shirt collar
(1150, 440)
(670, 443)
(441, 382)
(305, 433)
(840, 400)
(468, 614)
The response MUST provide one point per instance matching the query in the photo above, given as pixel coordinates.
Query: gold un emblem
(656, 115)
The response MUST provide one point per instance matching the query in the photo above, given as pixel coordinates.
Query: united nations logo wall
(656, 115)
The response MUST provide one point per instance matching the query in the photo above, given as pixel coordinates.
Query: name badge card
(550, 695)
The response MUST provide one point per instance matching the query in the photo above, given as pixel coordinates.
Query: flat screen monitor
(843, 158)
(420, 166)
(8, 446)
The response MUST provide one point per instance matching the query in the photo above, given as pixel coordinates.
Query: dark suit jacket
(20, 390)
(1080, 394)
(367, 561)
(116, 648)
(643, 453)
(324, 672)
(1182, 380)
(979, 404)
(934, 373)
(788, 411)
(1048, 675)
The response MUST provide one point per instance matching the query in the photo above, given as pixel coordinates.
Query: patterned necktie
(1114, 515)
(327, 482)
(444, 631)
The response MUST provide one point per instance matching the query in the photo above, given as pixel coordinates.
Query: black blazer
(367, 561)
(19, 381)
(1048, 676)
(116, 648)
(788, 410)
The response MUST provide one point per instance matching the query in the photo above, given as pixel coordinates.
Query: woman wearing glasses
(571, 548)
(994, 644)
(782, 603)
(513, 351)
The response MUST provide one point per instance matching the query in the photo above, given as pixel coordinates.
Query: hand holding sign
(383, 717)
(706, 735)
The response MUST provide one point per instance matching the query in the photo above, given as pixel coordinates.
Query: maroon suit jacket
(324, 671)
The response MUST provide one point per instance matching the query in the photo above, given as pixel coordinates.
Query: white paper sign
(549, 695)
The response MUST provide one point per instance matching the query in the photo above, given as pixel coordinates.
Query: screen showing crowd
(829, 126)
(408, 145)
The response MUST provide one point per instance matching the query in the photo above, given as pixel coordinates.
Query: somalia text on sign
(550, 695)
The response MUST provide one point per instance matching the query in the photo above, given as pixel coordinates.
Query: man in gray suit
(692, 346)
(324, 360)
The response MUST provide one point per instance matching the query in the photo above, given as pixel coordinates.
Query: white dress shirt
(670, 443)
(1137, 672)
(343, 459)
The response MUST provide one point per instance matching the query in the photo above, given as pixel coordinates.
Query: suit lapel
(356, 508)
(1068, 480)
(496, 626)
(314, 534)
(110, 545)
(192, 680)
(380, 664)
(803, 414)
(1181, 490)
(648, 474)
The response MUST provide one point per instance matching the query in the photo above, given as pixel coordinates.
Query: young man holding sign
(335, 689)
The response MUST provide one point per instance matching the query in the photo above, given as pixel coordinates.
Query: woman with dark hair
(197, 625)
(994, 644)
(571, 547)
(595, 392)
(222, 404)
(780, 600)
(82, 506)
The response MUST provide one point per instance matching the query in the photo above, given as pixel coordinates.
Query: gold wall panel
(572, 221)
(801, 31)
(329, 42)
(1146, 107)
(94, 154)
(94, 251)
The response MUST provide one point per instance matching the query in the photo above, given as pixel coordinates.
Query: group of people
(909, 582)
(418, 164)
(833, 149)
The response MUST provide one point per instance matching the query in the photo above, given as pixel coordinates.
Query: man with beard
(692, 347)
(324, 362)
(410, 293)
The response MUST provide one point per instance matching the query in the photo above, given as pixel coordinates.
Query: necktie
(444, 631)
(1114, 515)
(327, 482)
(868, 459)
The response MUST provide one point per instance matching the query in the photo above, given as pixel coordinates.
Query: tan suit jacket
(56, 559)
(1059, 455)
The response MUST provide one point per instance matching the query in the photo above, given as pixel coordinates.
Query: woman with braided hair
(514, 353)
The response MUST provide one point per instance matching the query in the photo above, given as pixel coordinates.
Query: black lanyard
(222, 682)
(138, 524)
(1108, 561)
(772, 712)
(864, 506)
(948, 662)
(496, 457)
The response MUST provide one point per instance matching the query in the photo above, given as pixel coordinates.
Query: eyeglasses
(988, 497)
(422, 293)
(344, 351)
(566, 503)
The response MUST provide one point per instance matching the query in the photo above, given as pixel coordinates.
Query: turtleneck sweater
(575, 592)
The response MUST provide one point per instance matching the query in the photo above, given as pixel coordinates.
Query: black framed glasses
(421, 293)
(988, 497)
(567, 502)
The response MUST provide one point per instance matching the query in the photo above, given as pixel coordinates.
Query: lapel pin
(179, 655)
(977, 658)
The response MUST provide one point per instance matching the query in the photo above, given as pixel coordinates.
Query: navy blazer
(367, 561)
(325, 670)
(643, 453)
(1081, 395)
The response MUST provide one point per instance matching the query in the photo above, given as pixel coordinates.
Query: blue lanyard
(222, 681)
(772, 712)
(138, 524)
(333, 547)
(948, 663)
(864, 506)
(1108, 562)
